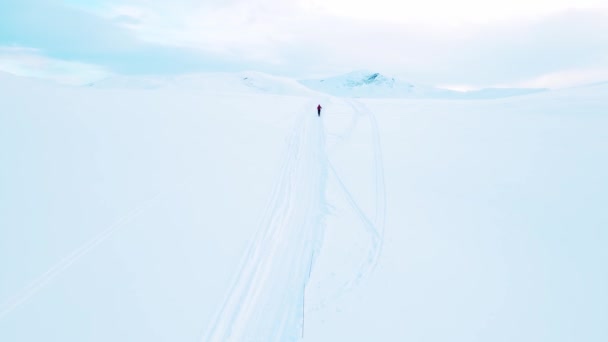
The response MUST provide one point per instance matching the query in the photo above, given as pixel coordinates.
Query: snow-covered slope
(494, 93)
(175, 215)
(369, 84)
(243, 82)
(364, 84)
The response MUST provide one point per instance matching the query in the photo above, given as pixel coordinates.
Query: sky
(463, 44)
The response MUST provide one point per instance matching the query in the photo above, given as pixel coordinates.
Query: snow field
(188, 214)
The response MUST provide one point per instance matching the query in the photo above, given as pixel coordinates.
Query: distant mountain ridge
(358, 84)
(365, 84)
(242, 82)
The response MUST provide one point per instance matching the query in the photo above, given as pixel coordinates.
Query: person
(319, 110)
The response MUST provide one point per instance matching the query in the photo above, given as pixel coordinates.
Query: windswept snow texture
(218, 210)
(364, 84)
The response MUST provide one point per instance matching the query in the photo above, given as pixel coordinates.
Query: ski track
(380, 185)
(375, 227)
(266, 301)
(43, 280)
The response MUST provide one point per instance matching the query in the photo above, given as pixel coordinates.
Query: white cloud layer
(566, 78)
(470, 43)
(31, 63)
(447, 12)
(434, 41)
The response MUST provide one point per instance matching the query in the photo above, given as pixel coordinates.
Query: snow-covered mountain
(369, 85)
(364, 84)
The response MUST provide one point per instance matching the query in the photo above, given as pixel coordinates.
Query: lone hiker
(319, 110)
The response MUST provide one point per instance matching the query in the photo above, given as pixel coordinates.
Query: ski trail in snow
(366, 267)
(380, 212)
(43, 280)
(374, 227)
(375, 230)
(266, 301)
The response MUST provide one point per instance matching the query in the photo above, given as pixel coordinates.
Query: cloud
(95, 35)
(479, 55)
(566, 78)
(302, 38)
(441, 13)
(29, 62)
(52, 27)
(251, 30)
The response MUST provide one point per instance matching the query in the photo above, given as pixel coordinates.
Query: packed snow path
(266, 302)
